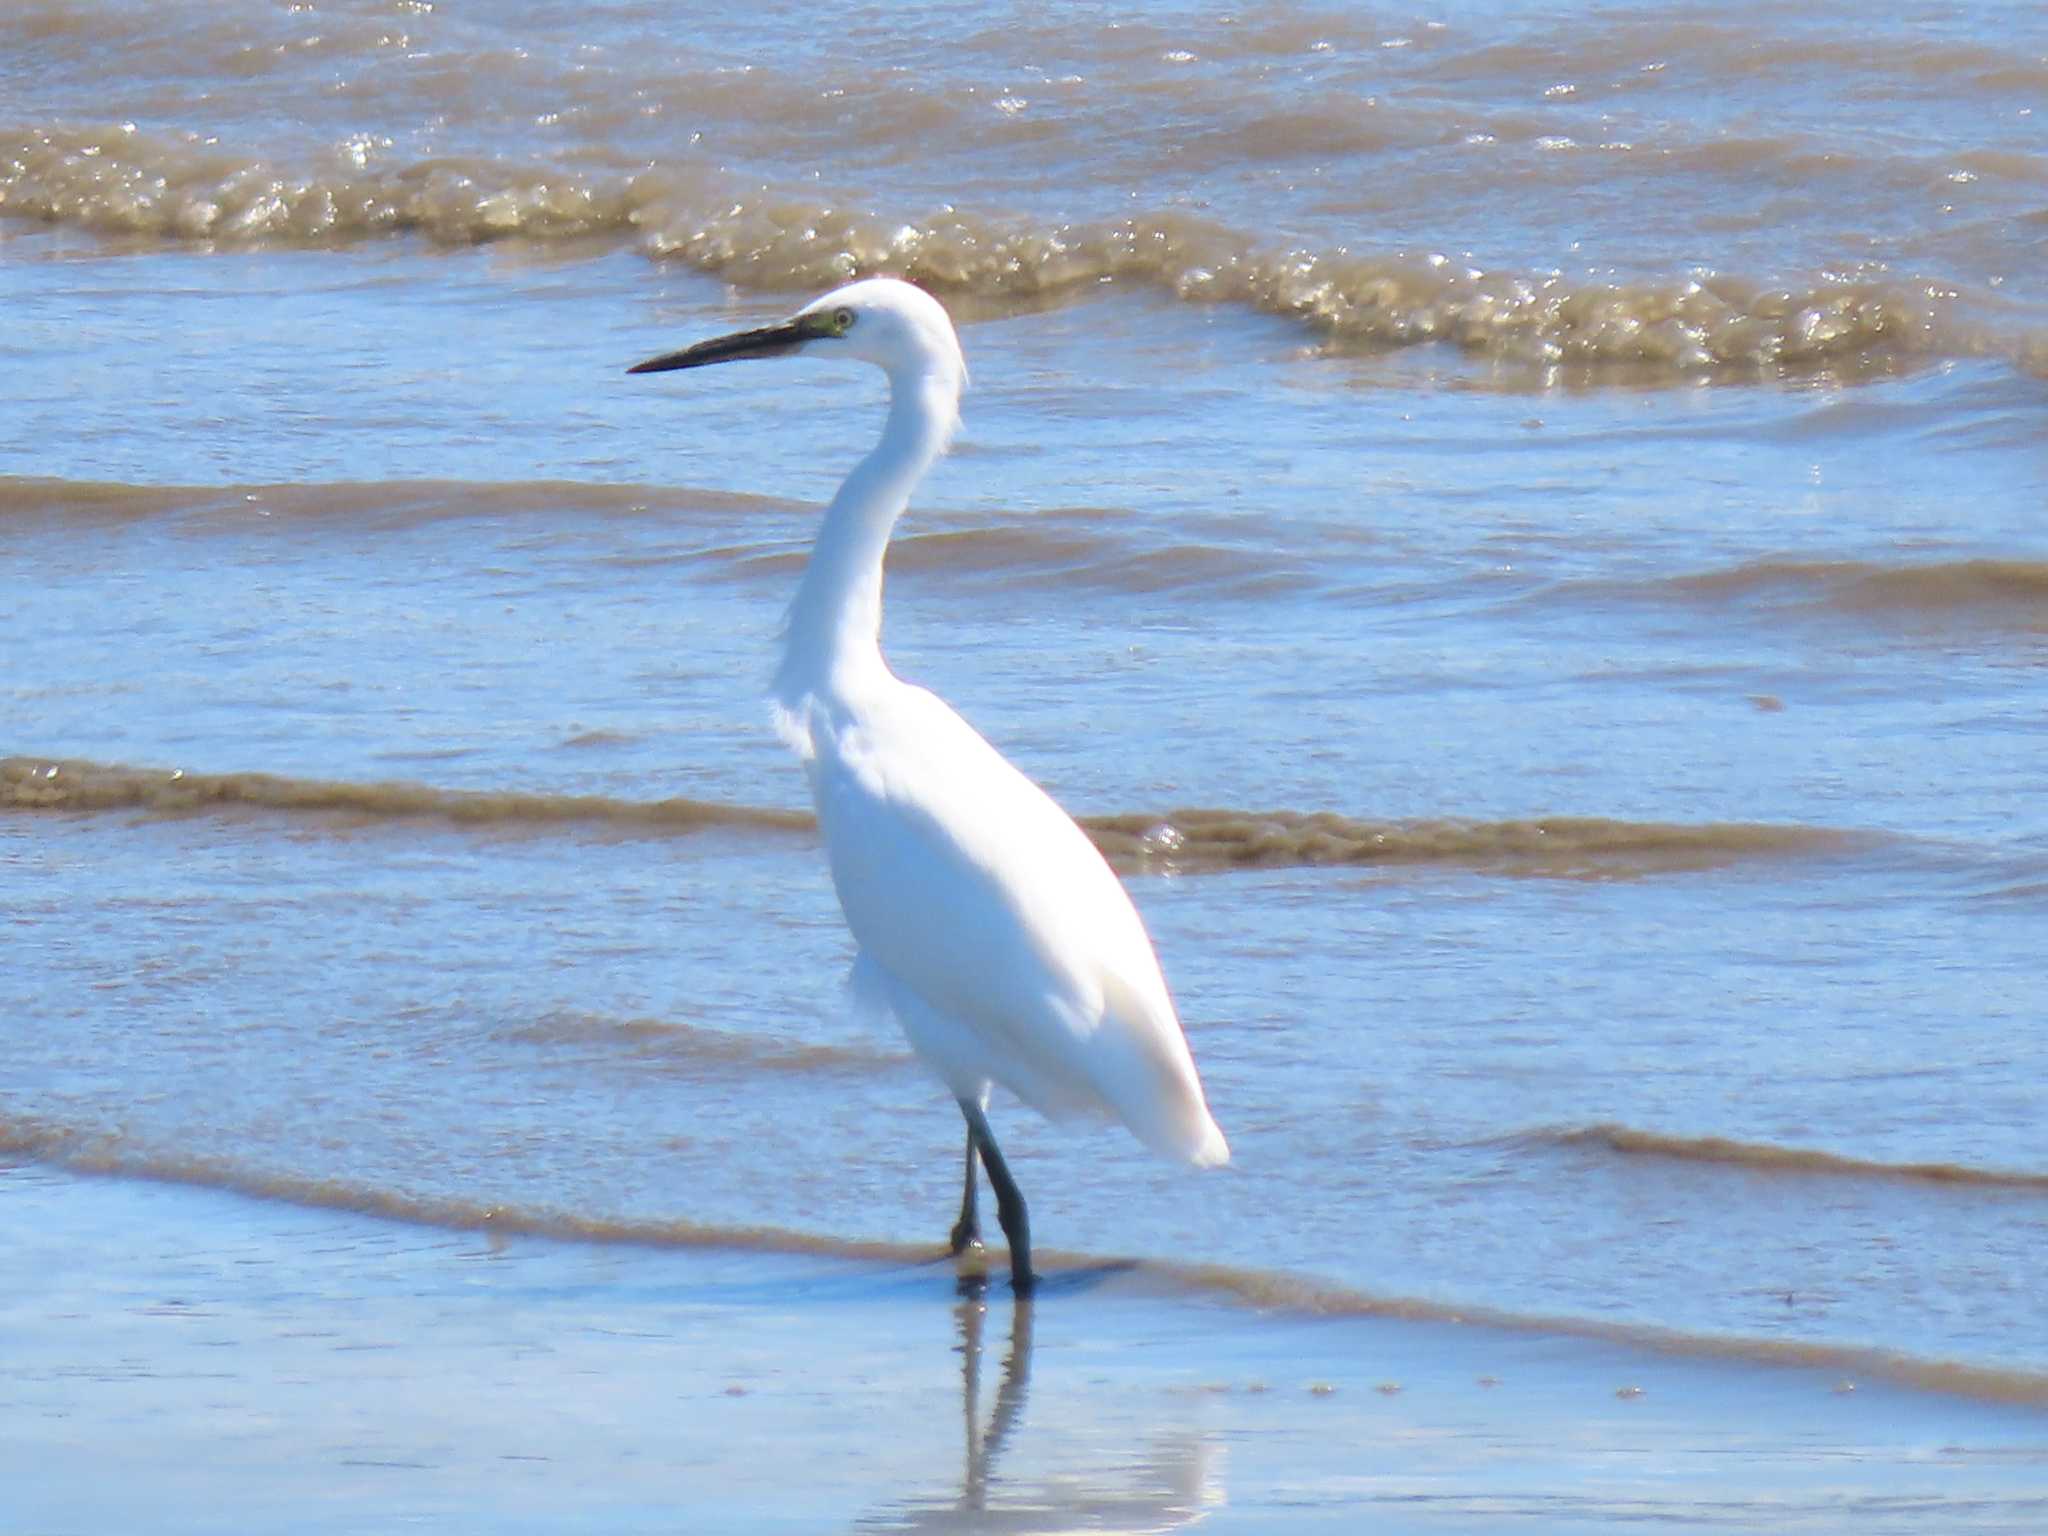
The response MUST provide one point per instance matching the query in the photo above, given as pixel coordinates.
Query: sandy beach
(183, 1360)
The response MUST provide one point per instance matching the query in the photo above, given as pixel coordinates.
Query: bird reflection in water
(982, 1450)
(1167, 1486)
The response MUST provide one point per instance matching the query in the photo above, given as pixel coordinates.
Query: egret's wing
(981, 899)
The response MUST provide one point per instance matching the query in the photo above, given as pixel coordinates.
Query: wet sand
(181, 1359)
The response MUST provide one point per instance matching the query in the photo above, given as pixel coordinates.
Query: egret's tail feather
(1143, 1068)
(1190, 1136)
(1214, 1151)
(1175, 1122)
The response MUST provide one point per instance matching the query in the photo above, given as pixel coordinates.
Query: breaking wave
(120, 182)
(384, 503)
(28, 784)
(1766, 1157)
(1179, 841)
(2004, 593)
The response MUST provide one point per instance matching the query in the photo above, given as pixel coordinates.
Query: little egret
(985, 920)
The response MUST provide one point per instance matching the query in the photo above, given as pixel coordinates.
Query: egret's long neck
(833, 640)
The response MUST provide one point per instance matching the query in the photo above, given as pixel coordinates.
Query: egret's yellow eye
(842, 321)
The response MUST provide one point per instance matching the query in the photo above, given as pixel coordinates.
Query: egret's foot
(966, 1235)
(1022, 1281)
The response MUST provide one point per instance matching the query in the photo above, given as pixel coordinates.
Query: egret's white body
(993, 930)
(987, 922)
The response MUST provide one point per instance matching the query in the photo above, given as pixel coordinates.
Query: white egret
(986, 921)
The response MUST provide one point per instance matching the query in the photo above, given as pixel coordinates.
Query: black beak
(767, 341)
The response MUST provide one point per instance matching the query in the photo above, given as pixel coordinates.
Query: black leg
(1009, 1199)
(967, 1230)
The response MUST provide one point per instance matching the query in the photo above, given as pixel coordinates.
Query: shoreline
(249, 1361)
(1167, 1281)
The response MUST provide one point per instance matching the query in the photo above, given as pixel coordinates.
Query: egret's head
(899, 328)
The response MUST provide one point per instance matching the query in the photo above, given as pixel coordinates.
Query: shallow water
(1520, 536)
(335, 1373)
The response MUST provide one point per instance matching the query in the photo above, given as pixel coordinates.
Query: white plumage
(987, 922)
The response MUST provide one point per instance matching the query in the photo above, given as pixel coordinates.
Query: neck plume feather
(832, 635)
